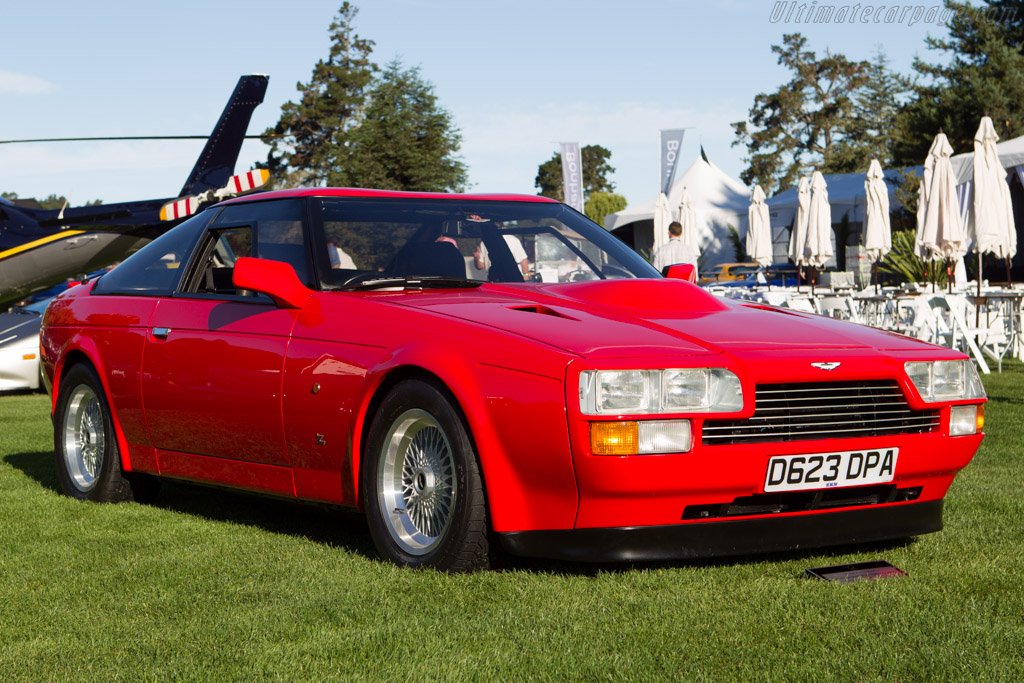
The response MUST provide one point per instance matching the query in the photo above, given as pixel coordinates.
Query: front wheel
(422, 488)
(88, 461)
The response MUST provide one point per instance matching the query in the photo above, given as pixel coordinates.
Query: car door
(214, 358)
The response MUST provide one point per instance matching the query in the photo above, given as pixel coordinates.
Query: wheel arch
(386, 380)
(81, 350)
(515, 419)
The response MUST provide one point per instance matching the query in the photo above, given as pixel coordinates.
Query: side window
(277, 227)
(157, 268)
(223, 247)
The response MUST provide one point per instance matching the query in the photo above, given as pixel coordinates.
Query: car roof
(361, 192)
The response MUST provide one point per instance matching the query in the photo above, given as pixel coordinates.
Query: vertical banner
(671, 141)
(572, 175)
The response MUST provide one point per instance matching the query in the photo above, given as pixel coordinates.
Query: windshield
(363, 239)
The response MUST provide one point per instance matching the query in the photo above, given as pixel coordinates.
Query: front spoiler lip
(695, 540)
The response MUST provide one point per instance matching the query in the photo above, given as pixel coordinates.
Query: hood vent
(542, 310)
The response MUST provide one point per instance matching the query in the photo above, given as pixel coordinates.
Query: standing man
(675, 250)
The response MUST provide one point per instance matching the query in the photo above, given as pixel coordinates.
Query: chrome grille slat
(832, 416)
(895, 422)
(891, 400)
(803, 411)
(830, 431)
(793, 412)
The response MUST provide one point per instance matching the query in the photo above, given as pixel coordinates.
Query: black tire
(421, 485)
(84, 443)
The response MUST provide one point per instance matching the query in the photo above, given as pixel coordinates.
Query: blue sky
(518, 78)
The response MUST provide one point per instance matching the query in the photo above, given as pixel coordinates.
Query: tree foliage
(600, 204)
(405, 141)
(596, 170)
(54, 201)
(984, 74)
(869, 131)
(357, 126)
(903, 262)
(804, 122)
(310, 141)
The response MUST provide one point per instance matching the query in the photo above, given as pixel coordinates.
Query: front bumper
(729, 538)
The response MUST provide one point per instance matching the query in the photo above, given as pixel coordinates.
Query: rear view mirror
(683, 271)
(276, 279)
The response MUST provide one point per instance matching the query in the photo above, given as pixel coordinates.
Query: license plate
(830, 470)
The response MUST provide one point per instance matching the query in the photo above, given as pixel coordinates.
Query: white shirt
(514, 245)
(675, 251)
(339, 259)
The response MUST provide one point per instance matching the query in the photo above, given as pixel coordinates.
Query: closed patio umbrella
(798, 238)
(940, 229)
(759, 234)
(877, 228)
(818, 245)
(991, 221)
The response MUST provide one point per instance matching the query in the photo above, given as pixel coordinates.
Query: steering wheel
(579, 275)
(361, 276)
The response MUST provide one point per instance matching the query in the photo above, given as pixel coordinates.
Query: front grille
(823, 410)
(803, 501)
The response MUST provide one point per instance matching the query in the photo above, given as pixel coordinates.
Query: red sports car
(484, 372)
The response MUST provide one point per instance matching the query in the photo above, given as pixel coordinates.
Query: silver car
(19, 346)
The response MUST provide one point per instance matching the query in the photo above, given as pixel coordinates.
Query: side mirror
(273, 278)
(683, 271)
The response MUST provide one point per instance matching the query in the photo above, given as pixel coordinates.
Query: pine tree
(309, 144)
(801, 124)
(405, 141)
(868, 132)
(985, 75)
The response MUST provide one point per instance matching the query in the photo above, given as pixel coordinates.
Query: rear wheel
(88, 460)
(422, 488)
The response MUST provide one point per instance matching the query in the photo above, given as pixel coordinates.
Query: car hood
(614, 318)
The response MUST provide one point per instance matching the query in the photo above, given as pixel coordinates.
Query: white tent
(845, 196)
(718, 200)
(846, 190)
(1011, 155)
(846, 199)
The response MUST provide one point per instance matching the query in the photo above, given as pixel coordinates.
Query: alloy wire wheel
(84, 437)
(85, 448)
(422, 489)
(416, 481)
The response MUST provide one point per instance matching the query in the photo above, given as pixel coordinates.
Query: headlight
(945, 380)
(644, 392)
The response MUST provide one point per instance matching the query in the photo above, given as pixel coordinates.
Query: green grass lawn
(209, 585)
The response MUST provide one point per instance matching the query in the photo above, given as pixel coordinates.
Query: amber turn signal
(614, 438)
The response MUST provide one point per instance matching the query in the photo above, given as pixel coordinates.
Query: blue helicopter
(40, 248)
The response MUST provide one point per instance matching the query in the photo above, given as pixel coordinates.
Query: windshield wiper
(413, 282)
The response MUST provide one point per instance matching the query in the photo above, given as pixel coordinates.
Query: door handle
(161, 332)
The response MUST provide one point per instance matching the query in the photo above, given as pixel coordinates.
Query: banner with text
(671, 142)
(572, 175)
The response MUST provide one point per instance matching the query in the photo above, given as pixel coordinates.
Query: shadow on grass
(38, 466)
(332, 526)
(343, 528)
(1008, 397)
(823, 557)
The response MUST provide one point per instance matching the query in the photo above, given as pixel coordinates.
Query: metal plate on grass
(858, 571)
